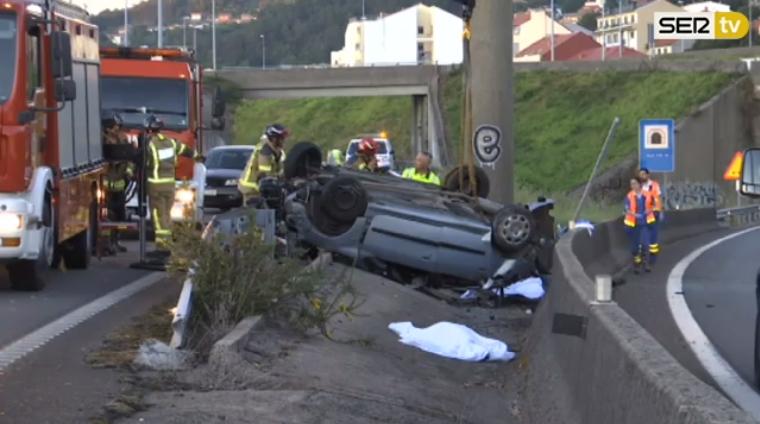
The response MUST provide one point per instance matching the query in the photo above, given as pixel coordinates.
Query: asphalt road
(53, 384)
(720, 291)
(719, 287)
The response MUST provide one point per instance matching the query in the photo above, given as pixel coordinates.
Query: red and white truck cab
(51, 155)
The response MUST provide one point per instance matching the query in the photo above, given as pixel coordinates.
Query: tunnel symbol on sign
(488, 144)
(657, 138)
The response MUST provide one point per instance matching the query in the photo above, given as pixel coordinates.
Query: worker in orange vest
(639, 215)
(652, 187)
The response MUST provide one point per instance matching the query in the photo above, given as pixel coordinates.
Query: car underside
(409, 231)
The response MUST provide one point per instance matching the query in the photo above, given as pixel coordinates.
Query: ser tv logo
(700, 26)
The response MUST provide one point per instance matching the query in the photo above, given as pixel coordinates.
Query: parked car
(224, 164)
(386, 156)
(409, 230)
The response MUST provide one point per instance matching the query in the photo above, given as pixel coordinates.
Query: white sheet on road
(454, 341)
(530, 288)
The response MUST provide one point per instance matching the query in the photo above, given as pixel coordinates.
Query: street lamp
(552, 24)
(213, 33)
(263, 51)
(184, 31)
(126, 23)
(160, 24)
(195, 38)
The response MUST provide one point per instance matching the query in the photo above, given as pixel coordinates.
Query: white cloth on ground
(454, 341)
(531, 288)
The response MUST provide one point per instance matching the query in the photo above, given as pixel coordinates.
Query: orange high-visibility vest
(633, 204)
(653, 188)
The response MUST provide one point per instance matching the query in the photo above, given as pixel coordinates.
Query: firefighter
(652, 187)
(367, 153)
(421, 171)
(162, 162)
(639, 216)
(266, 161)
(117, 178)
(335, 157)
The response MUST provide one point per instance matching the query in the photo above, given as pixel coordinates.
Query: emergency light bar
(178, 55)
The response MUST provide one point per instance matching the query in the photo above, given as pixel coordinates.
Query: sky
(97, 6)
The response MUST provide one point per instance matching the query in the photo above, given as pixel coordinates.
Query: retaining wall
(589, 363)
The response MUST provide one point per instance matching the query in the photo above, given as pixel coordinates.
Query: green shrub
(239, 276)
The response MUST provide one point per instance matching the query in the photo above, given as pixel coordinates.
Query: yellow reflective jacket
(429, 178)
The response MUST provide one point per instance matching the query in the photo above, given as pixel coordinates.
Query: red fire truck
(139, 82)
(51, 156)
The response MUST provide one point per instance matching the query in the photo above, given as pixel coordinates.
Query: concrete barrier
(590, 362)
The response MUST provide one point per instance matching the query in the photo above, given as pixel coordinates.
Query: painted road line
(720, 370)
(38, 338)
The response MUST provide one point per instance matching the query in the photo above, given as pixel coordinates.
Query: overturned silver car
(408, 230)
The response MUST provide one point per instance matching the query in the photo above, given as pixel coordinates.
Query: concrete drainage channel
(590, 362)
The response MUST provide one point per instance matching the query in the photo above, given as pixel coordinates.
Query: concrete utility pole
(493, 96)
(750, 2)
(160, 24)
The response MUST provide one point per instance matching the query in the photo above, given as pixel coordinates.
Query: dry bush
(236, 276)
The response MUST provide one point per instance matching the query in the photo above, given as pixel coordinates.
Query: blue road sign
(657, 145)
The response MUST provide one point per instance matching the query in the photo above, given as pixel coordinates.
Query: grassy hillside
(561, 118)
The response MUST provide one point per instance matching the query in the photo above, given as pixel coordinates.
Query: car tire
(302, 160)
(323, 223)
(344, 199)
(452, 183)
(512, 229)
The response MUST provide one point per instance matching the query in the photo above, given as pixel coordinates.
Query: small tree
(588, 21)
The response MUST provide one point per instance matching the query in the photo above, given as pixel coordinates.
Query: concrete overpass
(421, 83)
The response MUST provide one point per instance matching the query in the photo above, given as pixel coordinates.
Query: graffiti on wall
(689, 195)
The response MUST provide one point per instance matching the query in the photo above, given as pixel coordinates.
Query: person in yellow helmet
(163, 153)
(266, 161)
(421, 172)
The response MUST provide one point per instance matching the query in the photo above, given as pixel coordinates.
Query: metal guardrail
(740, 215)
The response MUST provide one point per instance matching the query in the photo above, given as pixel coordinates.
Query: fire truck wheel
(76, 251)
(24, 276)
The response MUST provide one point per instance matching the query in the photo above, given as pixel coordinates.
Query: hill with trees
(297, 31)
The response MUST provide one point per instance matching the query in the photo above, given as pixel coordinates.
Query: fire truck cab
(51, 156)
(166, 83)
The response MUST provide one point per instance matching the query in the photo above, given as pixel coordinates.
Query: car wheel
(344, 199)
(452, 181)
(323, 223)
(512, 229)
(303, 160)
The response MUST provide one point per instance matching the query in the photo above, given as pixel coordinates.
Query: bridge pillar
(419, 124)
(433, 140)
